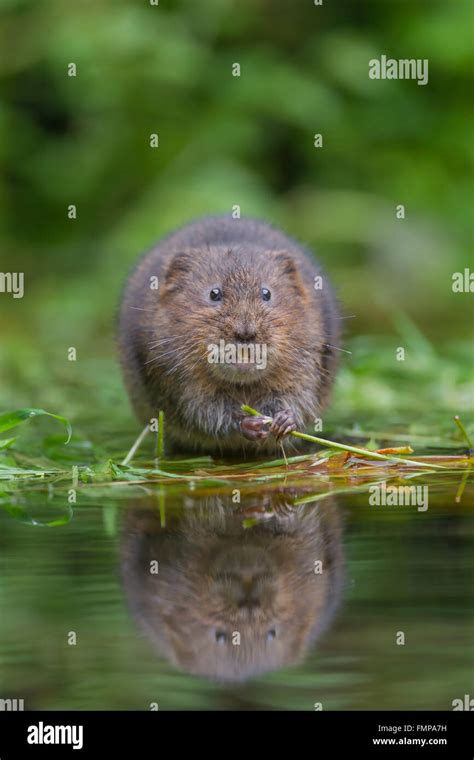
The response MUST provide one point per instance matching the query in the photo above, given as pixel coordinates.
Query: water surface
(328, 634)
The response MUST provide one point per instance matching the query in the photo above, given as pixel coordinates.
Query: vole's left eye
(215, 294)
(266, 295)
(271, 634)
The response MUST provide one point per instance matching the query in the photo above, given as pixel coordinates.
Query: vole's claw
(283, 424)
(255, 428)
(283, 508)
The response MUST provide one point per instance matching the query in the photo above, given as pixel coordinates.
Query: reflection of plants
(22, 515)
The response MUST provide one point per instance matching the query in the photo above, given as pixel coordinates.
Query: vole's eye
(271, 634)
(215, 294)
(221, 637)
(266, 295)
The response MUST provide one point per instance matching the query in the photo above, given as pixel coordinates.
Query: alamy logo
(11, 705)
(237, 353)
(42, 734)
(463, 704)
(463, 282)
(405, 68)
(12, 282)
(399, 496)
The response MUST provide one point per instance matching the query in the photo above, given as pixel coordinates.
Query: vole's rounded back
(226, 312)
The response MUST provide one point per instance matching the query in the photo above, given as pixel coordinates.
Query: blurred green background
(227, 140)
(224, 140)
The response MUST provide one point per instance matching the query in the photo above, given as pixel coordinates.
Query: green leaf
(6, 443)
(12, 419)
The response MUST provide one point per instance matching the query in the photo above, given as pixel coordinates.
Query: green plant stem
(463, 431)
(160, 437)
(136, 445)
(344, 447)
(162, 507)
(462, 486)
(320, 496)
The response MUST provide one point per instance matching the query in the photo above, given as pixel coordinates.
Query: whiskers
(337, 348)
(180, 359)
(178, 355)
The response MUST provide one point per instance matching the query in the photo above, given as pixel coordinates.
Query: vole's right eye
(215, 294)
(221, 637)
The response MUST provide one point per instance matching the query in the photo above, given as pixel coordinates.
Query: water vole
(225, 312)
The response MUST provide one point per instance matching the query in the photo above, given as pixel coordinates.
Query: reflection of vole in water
(228, 284)
(217, 579)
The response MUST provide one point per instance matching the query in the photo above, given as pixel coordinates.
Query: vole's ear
(287, 266)
(180, 264)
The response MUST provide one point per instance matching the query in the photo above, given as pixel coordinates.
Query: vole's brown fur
(165, 334)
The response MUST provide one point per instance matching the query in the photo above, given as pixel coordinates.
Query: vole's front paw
(283, 424)
(282, 507)
(255, 428)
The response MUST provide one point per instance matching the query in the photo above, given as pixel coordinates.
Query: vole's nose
(245, 331)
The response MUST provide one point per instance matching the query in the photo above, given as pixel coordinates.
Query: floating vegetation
(334, 468)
